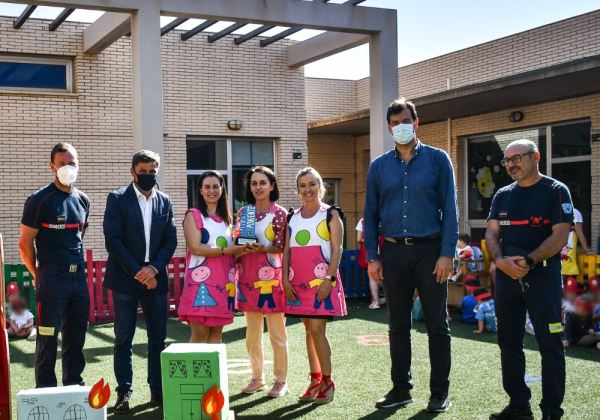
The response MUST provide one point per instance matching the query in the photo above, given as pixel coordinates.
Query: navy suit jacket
(126, 243)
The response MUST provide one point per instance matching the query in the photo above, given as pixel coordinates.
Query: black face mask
(146, 181)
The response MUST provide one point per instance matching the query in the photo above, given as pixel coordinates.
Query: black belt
(412, 241)
(69, 268)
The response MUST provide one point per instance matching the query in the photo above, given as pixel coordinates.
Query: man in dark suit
(140, 239)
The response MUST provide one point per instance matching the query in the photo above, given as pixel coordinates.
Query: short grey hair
(531, 146)
(145, 156)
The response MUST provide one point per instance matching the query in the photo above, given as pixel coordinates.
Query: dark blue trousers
(154, 306)
(63, 304)
(543, 302)
(406, 268)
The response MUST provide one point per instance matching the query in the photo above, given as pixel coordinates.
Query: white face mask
(403, 133)
(67, 175)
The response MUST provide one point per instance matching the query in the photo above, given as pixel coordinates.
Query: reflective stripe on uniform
(45, 330)
(555, 328)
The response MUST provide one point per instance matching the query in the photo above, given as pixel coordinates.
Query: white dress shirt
(146, 205)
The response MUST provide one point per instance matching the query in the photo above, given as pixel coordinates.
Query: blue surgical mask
(403, 133)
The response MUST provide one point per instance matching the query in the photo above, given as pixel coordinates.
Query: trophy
(248, 227)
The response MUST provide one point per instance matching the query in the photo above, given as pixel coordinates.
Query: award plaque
(248, 227)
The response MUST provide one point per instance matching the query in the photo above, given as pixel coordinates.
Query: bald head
(521, 159)
(521, 146)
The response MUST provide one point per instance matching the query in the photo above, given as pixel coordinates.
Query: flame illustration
(99, 394)
(212, 403)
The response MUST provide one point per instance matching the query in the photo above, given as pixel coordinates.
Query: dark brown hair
(273, 196)
(61, 148)
(400, 105)
(223, 210)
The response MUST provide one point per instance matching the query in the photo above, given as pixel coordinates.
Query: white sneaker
(598, 345)
(374, 305)
(32, 336)
(382, 301)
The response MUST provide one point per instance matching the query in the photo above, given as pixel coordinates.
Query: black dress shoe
(511, 412)
(394, 398)
(122, 404)
(156, 399)
(439, 403)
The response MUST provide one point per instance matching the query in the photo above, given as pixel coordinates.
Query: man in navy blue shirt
(411, 200)
(140, 238)
(528, 225)
(55, 218)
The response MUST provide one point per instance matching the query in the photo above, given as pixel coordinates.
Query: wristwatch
(529, 261)
(332, 278)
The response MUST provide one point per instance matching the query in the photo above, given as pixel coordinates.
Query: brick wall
(204, 85)
(334, 157)
(340, 98)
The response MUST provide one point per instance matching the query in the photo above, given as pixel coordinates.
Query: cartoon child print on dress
(230, 287)
(203, 297)
(321, 274)
(266, 283)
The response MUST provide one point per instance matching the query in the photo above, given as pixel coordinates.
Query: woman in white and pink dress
(311, 279)
(210, 273)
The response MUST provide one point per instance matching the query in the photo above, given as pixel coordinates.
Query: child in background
(468, 303)
(579, 326)
(464, 254)
(20, 319)
(12, 294)
(594, 289)
(570, 291)
(485, 312)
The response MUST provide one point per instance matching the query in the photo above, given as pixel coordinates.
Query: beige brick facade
(205, 85)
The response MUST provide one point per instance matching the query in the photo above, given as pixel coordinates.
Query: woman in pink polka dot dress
(260, 294)
(210, 273)
(311, 279)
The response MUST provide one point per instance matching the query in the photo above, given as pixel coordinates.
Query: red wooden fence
(101, 305)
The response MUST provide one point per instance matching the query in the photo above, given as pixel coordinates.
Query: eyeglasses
(515, 159)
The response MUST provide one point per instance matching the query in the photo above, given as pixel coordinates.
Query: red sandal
(313, 389)
(326, 391)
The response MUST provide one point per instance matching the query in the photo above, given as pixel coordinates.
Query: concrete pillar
(147, 82)
(383, 61)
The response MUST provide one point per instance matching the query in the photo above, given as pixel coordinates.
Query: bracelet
(222, 252)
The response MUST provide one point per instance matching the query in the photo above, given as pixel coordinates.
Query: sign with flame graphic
(194, 379)
(99, 394)
(72, 402)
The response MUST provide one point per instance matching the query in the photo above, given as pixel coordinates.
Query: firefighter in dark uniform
(55, 218)
(528, 225)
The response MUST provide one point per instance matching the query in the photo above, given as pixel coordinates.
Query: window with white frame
(35, 73)
(568, 161)
(230, 157)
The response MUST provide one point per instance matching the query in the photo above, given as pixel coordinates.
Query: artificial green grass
(361, 372)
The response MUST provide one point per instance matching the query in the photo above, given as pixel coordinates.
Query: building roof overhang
(562, 81)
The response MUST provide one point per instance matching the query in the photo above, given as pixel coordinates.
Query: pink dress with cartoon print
(259, 275)
(310, 252)
(206, 296)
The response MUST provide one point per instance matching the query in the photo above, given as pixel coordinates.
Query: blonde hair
(312, 171)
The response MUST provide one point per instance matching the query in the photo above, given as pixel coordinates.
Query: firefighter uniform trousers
(540, 295)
